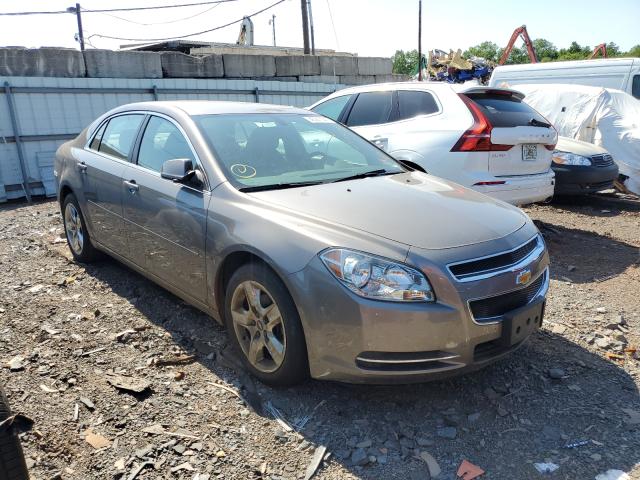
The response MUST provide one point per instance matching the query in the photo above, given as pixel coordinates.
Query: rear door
(515, 123)
(370, 115)
(101, 167)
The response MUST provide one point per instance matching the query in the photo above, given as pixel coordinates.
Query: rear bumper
(521, 190)
(572, 180)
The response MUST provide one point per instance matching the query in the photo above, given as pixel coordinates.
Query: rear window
(411, 104)
(371, 108)
(505, 111)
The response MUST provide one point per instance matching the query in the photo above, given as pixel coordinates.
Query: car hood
(586, 149)
(411, 208)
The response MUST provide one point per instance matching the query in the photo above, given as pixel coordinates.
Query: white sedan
(483, 138)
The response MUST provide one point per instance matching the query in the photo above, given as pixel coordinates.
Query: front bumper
(521, 190)
(357, 340)
(575, 180)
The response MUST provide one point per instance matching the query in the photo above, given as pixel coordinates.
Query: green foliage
(634, 52)
(405, 63)
(613, 50)
(545, 50)
(488, 50)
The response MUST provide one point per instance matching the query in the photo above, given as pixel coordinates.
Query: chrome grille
(604, 160)
(488, 309)
(495, 262)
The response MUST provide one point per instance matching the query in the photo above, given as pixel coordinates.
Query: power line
(189, 34)
(105, 10)
(130, 9)
(162, 23)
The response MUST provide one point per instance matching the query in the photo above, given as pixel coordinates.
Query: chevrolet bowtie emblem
(523, 277)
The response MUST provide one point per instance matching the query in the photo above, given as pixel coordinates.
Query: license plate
(529, 152)
(522, 323)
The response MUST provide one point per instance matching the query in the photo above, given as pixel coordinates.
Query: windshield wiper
(537, 123)
(372, 173)
(278, 186)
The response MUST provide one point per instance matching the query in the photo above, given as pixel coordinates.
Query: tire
(12, 464)
(76, 232)
(271, 324)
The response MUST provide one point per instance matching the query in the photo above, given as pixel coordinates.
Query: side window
(371, 108)
(95, 143)
(414, 103)
(332, 108)
(635, 87)
(162, 141)
(120, 134)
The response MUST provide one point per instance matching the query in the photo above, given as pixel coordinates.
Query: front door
(166, 221)
(101, 167)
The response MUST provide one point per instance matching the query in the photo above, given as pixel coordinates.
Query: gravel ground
(70, 335)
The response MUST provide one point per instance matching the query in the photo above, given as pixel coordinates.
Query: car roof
(380, 87)
(209, 107)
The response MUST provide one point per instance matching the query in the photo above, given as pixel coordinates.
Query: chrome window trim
(119, 114)
(130, 162)
(535, 254)
(498, 319)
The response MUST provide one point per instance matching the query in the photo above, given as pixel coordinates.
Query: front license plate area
(521, 323)
(529, 152)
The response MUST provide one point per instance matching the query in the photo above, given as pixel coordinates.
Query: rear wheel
(264, 326)
(12, 464)
(76, 231)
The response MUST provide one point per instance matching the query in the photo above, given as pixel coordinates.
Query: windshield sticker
(243, 171)
(318, 119)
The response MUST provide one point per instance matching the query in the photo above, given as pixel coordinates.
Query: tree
(545, 50)
(574, 52)
(488, 50)
(405, 63)
(613, 50)
(517, 56)
(634, 52)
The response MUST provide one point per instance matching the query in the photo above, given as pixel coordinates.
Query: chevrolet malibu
(321, 254)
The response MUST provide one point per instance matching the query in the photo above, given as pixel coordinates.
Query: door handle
(132, 186)
(82, 167)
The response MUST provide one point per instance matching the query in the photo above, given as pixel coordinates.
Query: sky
(365, 27)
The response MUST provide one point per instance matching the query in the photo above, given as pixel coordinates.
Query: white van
(619, 73)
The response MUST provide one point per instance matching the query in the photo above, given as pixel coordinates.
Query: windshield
(273, 150)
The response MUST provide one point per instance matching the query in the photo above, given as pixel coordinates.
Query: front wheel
(264, 326)
(76, 231)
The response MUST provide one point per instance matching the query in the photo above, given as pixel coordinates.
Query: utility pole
(305, 26)
(272, 22)
(80, 34)
(419, 40)
(313, 40)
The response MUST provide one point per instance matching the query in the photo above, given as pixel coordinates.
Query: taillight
(478, 137)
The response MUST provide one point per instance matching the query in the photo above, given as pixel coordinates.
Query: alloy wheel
(258, 326)
(73, 227)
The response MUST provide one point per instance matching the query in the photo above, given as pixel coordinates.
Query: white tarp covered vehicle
(606, 117)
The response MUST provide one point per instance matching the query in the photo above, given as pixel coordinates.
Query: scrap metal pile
(452, 67)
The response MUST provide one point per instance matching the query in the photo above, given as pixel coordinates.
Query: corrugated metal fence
(37, 114)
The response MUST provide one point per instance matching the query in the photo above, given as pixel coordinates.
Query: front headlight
(566, 158)
(374, 277)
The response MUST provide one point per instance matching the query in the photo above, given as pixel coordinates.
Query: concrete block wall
(180, 65)
(249, 66)
(111, 64)
(42, 62)
(60, 62)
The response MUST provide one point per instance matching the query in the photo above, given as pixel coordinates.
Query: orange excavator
(602, 48)
(519, 32)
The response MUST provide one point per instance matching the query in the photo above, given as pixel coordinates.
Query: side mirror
(178, 170)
